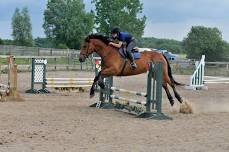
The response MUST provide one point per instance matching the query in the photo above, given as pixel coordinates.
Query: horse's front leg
(104, 74)
(107, 72)
(92, 90)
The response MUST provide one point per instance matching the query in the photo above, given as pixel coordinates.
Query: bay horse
(115, 65)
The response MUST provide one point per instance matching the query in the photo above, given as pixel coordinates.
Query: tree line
(200, 40)
(66, 24)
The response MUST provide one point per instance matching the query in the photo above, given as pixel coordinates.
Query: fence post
(55, 61)
(38, 51)
(44, 80)
(13, 87)
(159, 75)
(12, 80)
(149, 89)
(81, 66)
(110, 92)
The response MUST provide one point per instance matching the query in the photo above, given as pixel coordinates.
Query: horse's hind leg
(171, 100)
(177, 95)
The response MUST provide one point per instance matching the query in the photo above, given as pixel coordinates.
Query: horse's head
(88, 46)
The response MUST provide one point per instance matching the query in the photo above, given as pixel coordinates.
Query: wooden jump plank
(68, 82)
(69, 79)
(67, 86)
(129, 91)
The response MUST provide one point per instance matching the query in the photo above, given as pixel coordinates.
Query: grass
(182, 56)
(58, 61)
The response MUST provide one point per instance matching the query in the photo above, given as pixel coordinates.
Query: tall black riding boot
(132, 61)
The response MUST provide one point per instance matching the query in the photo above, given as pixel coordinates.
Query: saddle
(135, 52)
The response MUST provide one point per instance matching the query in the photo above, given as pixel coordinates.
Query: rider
(127, 40)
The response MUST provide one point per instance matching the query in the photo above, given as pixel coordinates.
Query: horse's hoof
(171, 103)
(92, 95)
(181, 100)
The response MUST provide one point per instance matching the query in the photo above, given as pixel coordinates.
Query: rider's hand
(110, 43)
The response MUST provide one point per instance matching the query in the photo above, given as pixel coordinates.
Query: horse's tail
(170, 72)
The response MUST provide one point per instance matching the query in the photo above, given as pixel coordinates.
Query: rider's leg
(129, 48)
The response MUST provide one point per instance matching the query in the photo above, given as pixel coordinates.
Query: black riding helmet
(115, 30)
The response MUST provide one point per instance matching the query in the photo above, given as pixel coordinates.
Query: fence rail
(35, 51)
(54, 63)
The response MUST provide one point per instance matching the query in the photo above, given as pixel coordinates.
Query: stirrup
(133, 65)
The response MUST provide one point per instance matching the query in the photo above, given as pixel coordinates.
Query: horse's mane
(103, 38)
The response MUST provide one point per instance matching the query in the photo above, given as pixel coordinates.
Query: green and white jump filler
(38, 76)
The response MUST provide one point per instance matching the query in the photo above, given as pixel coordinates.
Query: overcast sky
(165, 18)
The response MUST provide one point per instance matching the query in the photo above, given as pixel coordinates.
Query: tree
(67, 22)
(226, 48)
(119, 13)
(22, 28)
(204, 40)
(1, 41)
(162, 44)
(43, 42)
(8, 42)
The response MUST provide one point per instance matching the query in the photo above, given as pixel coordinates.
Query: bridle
(85, 55)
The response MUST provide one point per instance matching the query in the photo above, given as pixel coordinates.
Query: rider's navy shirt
(125, 37)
